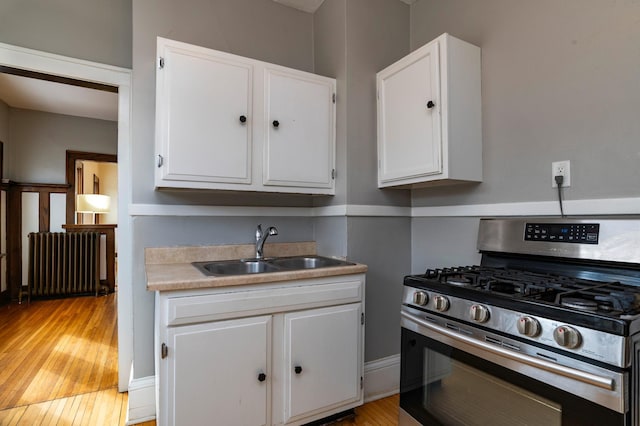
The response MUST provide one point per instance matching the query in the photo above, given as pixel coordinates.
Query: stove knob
(479, 313)
(441, 303)
(566, 336)
(420, 298)
(528, 326)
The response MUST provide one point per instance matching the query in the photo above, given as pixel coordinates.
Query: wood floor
(58, 366)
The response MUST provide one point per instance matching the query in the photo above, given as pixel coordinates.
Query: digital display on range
(580, 233)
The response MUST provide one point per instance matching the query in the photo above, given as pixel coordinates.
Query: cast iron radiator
(63, 263)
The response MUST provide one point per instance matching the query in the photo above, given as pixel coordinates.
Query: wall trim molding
(199, 210)
(381, 378)
(142, 400)
(604, 206)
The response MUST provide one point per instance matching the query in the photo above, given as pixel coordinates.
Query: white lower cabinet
(271, 354)
(218, 370)
(320, 359)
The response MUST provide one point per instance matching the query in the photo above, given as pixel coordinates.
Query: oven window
(441, 385)
(459, 394)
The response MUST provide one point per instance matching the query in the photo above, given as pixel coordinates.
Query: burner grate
(611, 298)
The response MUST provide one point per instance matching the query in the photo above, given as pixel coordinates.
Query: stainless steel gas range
(545, 331)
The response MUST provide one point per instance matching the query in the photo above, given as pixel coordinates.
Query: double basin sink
(261, 266)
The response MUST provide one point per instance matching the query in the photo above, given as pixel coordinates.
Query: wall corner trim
(142, 400)
(381, 378)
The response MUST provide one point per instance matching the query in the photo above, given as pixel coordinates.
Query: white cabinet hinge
(161, 62)
(334, 98)
(160, 160)
(164, 351)
(333, 174)
(362, 318)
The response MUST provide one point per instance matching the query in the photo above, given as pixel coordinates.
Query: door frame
(120, 78)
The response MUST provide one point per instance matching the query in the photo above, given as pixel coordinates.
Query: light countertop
(170, 268)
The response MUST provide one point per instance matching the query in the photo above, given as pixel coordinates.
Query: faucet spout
(261, 237)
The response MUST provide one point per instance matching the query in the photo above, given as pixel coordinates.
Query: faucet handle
(259, 232)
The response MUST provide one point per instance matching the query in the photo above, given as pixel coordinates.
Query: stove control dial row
(567, 337)
(528, 326)
(420, 298)
(479, 313)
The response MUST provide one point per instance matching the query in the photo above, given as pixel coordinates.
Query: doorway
(119, 78)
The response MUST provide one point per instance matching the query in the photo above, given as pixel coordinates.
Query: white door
(219, 373)
(300, 129)
(322, 359)
(204, 115)
(409, 125)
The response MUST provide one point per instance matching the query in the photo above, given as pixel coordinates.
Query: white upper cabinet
(203, 126)
(429, 116)
(300, 129)
(233, 123)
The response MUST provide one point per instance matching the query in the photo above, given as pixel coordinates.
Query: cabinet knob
(276, 123)
(297, 369)
(243, 119)
(430, 104)
(262, 377)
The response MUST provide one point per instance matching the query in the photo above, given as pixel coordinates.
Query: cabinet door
(203, 114)
(409, 126)
(300, 130)
(323, 359)
(214, 373)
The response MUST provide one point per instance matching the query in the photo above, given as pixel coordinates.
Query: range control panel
(581, 233)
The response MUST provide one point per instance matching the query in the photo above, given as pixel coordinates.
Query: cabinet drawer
(236, 304)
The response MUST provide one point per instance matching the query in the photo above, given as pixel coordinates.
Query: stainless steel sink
(308, 262)
(279, 264)
(235, 267)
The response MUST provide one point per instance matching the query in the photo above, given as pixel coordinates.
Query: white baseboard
(381, 378)
(142, 400)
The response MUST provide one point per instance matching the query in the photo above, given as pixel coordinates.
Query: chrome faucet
(261, 238)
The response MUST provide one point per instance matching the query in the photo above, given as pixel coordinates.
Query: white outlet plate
(561, 168)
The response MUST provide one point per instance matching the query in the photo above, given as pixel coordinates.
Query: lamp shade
(92, 203)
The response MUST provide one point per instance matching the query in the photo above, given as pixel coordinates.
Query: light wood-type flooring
(58, 366)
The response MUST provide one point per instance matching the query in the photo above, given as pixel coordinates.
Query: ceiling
(312, 5)
(48, 96)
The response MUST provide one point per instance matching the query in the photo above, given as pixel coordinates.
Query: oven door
(450, 378)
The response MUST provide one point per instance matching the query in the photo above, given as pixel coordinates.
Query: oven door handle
(582, 376)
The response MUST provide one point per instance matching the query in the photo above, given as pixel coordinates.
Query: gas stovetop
(611, 299)
(569, 285)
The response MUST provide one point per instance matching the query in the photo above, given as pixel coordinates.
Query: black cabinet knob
(243, 119)
(276, 123)
(297, 369)
(430, 104)
(262, 377)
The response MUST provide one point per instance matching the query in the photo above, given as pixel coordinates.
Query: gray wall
(383, 244)
(330, 54)
(95, 30)
(440, 242)
(39, 141)
(559, 82)
(354, 39)
(377, 36)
